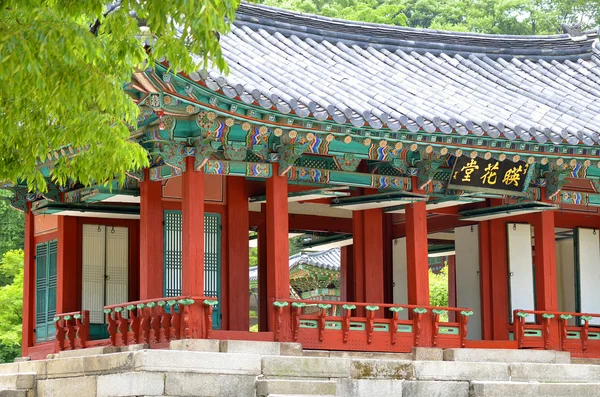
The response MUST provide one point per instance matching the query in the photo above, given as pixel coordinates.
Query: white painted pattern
(93, 262)
(468, 289)
(520, 265)
(588, 252)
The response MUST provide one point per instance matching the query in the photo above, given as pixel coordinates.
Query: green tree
(63, 68)
(11, 302)
(438, 287)
(11, 229)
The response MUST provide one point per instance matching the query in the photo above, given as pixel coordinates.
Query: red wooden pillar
(451, 262)
(66, 272)
(238, 281)
(192, 230)
(28, 284)
(545, 261)
(278, 275)
(151, 239)
(345, 272)
(417, 263)
(373, 255)
(498, 247)
(358, 257)
(485, 281)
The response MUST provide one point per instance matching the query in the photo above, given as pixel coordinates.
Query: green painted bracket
(161, 303)
(565, 316)
(77, 316)
(438, 311)
(56, 319)
(186, 302)
(420, 310)
(396, 309)
(587, 318)
(372, 308)
(67, 317)
(118, 309)
(212, 303)
(349, 307)
(298, 304)
(548, 315)
(130, 307)
(522, 314)
(141, 305)
(151, 305)
(107, 311)
(324, 306)
(467, 313)
(171, 302)
(280, 304)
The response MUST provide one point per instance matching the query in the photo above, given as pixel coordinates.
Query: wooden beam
(192, 230)
(545, 262)
(66, 271)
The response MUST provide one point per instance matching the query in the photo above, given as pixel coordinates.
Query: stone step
(507, 356)
(357, 354)
(561, 373)
(459, 371)
(533, 389)
(308, 367)
(16, 393)
(270, 387)
(24, 381)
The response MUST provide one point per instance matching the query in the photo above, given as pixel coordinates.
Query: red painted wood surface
(155, 321)
(556, 333)
(545, 261)
(72, 330)
(485, 281)
(66, 280)
(330, 326)
(263, 306)
(499, 278)
(192, 230)
(278, 275)
(28, 285)
(151, 267)
(358, 257)
(373, 248)
(237, 306)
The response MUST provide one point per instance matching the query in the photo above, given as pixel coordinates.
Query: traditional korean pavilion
(387, 140)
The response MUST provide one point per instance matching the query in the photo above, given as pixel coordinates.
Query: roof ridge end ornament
(574, 31)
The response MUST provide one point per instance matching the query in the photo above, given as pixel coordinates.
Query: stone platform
(267, 369)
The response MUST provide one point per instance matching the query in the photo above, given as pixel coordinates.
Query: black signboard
(489, 176)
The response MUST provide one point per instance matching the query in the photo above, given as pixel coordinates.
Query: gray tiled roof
(543, 88)
(329, 259)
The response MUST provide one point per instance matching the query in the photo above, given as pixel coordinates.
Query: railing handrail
(381, 305)
(168, 298)
(72, 313)
(541, 312)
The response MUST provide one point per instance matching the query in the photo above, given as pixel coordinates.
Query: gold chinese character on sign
(491, 173)
(468, 169)
(513, 176)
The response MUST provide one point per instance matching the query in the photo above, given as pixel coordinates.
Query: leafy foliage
(482, 16)
(12, 230)
(11, 302)
(438, 287)
(63, 67)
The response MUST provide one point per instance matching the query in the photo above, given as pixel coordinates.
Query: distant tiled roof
(329, 259)
(545, 88)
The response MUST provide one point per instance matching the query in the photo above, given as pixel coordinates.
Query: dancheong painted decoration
(394, 147)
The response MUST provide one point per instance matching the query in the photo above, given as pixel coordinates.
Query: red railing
(161, 320)
(72, 328)
(334, 327)
(552, 331)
